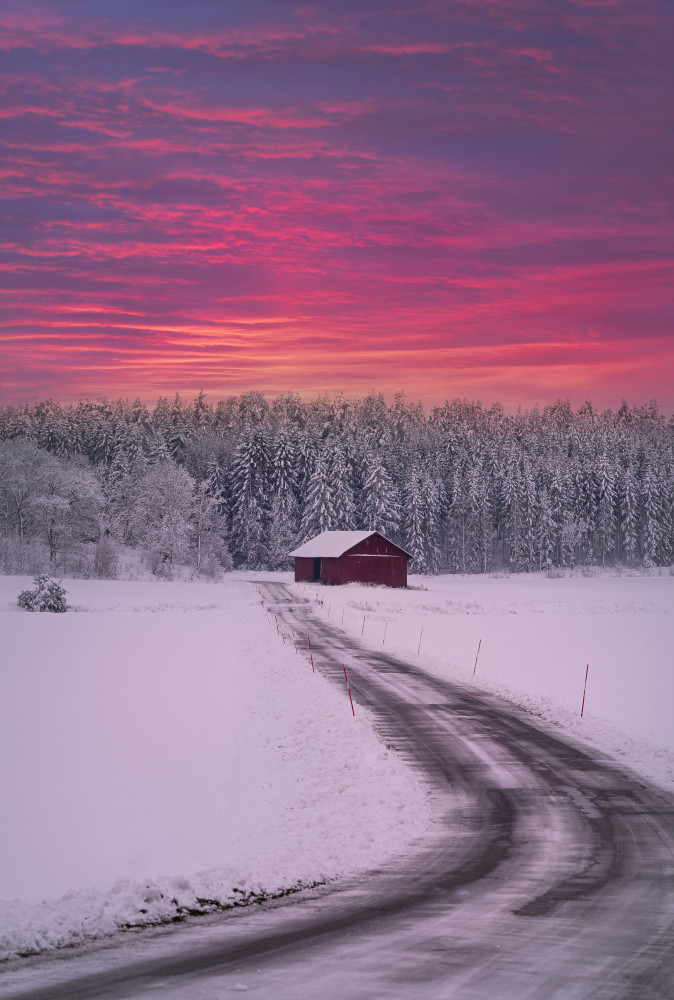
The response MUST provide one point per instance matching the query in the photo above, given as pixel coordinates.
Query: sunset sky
(453, 199)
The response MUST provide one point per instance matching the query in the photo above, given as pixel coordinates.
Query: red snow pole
(582, 707)
(363, 628)
(476, 656)
(420, 637)
(342, 621)
(311, 654)
(348, 689)
(384, 639)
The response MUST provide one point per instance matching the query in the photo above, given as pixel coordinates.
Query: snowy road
(548, 874)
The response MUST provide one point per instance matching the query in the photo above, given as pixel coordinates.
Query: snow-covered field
(163, 746)
(536, 636)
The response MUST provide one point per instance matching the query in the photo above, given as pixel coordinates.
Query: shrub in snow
(47, 596)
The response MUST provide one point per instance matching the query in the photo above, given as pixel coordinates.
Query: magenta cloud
(454, 199)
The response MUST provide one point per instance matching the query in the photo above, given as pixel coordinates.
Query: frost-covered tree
(381, 501)
(163, 515)
(21, 462)
(343, 500)
(421, 524)
(250, 501)
(283, 467)
(605, 507)
(655, 526)
(519, 501)
(66, 508)
(479, 520)
(497, 482)
(629, 516)
(208, 530)
(283, 528)
(284, 511)
(546, 530)
(320, 513)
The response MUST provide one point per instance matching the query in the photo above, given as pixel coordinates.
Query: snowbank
(537, 636)
(166, 754)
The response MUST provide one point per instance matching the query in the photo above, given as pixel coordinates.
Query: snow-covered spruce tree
(605, 509)
(479, 520)
(156, 449)
(629, 516)
(129, 441)
(413, 524)
(319, 512)
(216, 482)
(47, 595)
(163, 513)
(178, 431)
(558, 491)
(250, 501)
(342, 491)
(421, 523)
(307, 449)
(656, 515)
(519, 499)
(201, 413)
(283, 531)
(283, 513)
(468, 526)
(585, 509)
(433, 496)
(283, 465)
(572, 531)
(457, 530)
(546, 530)
(381, 501)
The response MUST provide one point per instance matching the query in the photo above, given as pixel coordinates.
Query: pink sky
(454, 199)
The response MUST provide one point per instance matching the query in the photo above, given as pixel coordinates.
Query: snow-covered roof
(332, 544)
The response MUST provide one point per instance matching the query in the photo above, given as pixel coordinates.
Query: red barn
(351, 557)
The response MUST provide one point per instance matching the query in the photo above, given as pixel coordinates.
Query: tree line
(465, 488)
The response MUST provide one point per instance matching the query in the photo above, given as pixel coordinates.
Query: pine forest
(240, 483)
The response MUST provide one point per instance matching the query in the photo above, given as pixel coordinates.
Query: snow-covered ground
(537, 635)
(161, 746)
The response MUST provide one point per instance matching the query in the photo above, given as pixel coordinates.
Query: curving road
(548, 874)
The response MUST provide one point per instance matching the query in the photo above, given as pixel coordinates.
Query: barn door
(317, 569)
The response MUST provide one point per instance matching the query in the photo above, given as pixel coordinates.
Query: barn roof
(332, 544)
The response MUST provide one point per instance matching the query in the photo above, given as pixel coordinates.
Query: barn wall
(389, 570)
(374, 560)
(304, 570)
(375, 545)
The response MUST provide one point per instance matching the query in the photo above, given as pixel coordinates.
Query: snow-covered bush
(48, 595)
